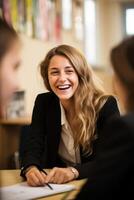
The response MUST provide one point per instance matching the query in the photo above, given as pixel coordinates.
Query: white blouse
(67, 152)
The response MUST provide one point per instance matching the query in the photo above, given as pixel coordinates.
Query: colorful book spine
(43, 20)
(29, 18)
(36, 18)
(6, 6)
(14, 13)
(21, 16)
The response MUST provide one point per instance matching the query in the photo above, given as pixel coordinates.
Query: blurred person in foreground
(112, 176)
(10, 46)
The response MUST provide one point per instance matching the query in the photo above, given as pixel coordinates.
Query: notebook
(22, 191)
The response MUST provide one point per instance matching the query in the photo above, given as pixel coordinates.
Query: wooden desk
(10, 177)
(9, 139)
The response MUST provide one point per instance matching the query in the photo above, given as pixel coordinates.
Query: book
(22, 16)
(14, 13)
(16, 106)
(6, 11)
(23, 191)
(29, 17)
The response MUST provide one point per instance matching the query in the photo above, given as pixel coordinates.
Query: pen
(42, 170)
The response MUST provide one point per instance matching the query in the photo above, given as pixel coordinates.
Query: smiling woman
(67, 120)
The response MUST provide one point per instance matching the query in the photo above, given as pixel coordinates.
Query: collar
(63, 116)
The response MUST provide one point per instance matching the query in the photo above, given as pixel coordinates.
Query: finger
(31, 183)
(35, 177)
(63, 175)
(44, 175)
(59, 178)
(50, 176)
(32, 180)
(41, 177)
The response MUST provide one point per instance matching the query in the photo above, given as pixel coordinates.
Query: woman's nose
(62, 76)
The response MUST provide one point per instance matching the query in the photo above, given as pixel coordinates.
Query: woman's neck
(69, 108)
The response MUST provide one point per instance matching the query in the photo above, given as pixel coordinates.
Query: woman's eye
(54, 73)
(69, 71)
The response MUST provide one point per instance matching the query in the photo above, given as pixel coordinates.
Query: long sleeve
(40, 148)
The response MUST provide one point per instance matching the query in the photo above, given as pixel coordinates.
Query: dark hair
(122, 58)
(7, 36)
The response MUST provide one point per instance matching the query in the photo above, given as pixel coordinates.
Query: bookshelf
(16, 121)
(10, 130)
(45, 19)
(35, 18)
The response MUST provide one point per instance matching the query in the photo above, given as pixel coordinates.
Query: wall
(109, 30)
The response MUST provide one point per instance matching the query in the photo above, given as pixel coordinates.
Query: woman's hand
(35, 177)
(60, 175)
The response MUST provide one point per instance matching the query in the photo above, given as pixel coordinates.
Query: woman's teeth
(63, 87)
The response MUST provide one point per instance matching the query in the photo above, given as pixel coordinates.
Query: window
(67, 14)
(128, 18)
(90, 31)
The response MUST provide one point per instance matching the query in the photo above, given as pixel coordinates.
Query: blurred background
(93, 26)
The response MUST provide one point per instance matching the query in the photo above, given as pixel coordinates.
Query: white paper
(22, 191)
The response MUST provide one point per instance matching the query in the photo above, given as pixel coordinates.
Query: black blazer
(42, 146)
(112, 176)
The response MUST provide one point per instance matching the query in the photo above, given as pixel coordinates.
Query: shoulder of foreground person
(125, 121)
(112, 175)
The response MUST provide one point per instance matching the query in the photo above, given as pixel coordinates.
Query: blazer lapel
(53, 129)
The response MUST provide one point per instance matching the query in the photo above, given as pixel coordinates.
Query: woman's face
(8, 73)
(63, 78)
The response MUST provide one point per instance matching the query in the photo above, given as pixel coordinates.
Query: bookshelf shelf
(16, 121)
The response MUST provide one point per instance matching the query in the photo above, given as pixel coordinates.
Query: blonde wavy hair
(88, 98)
